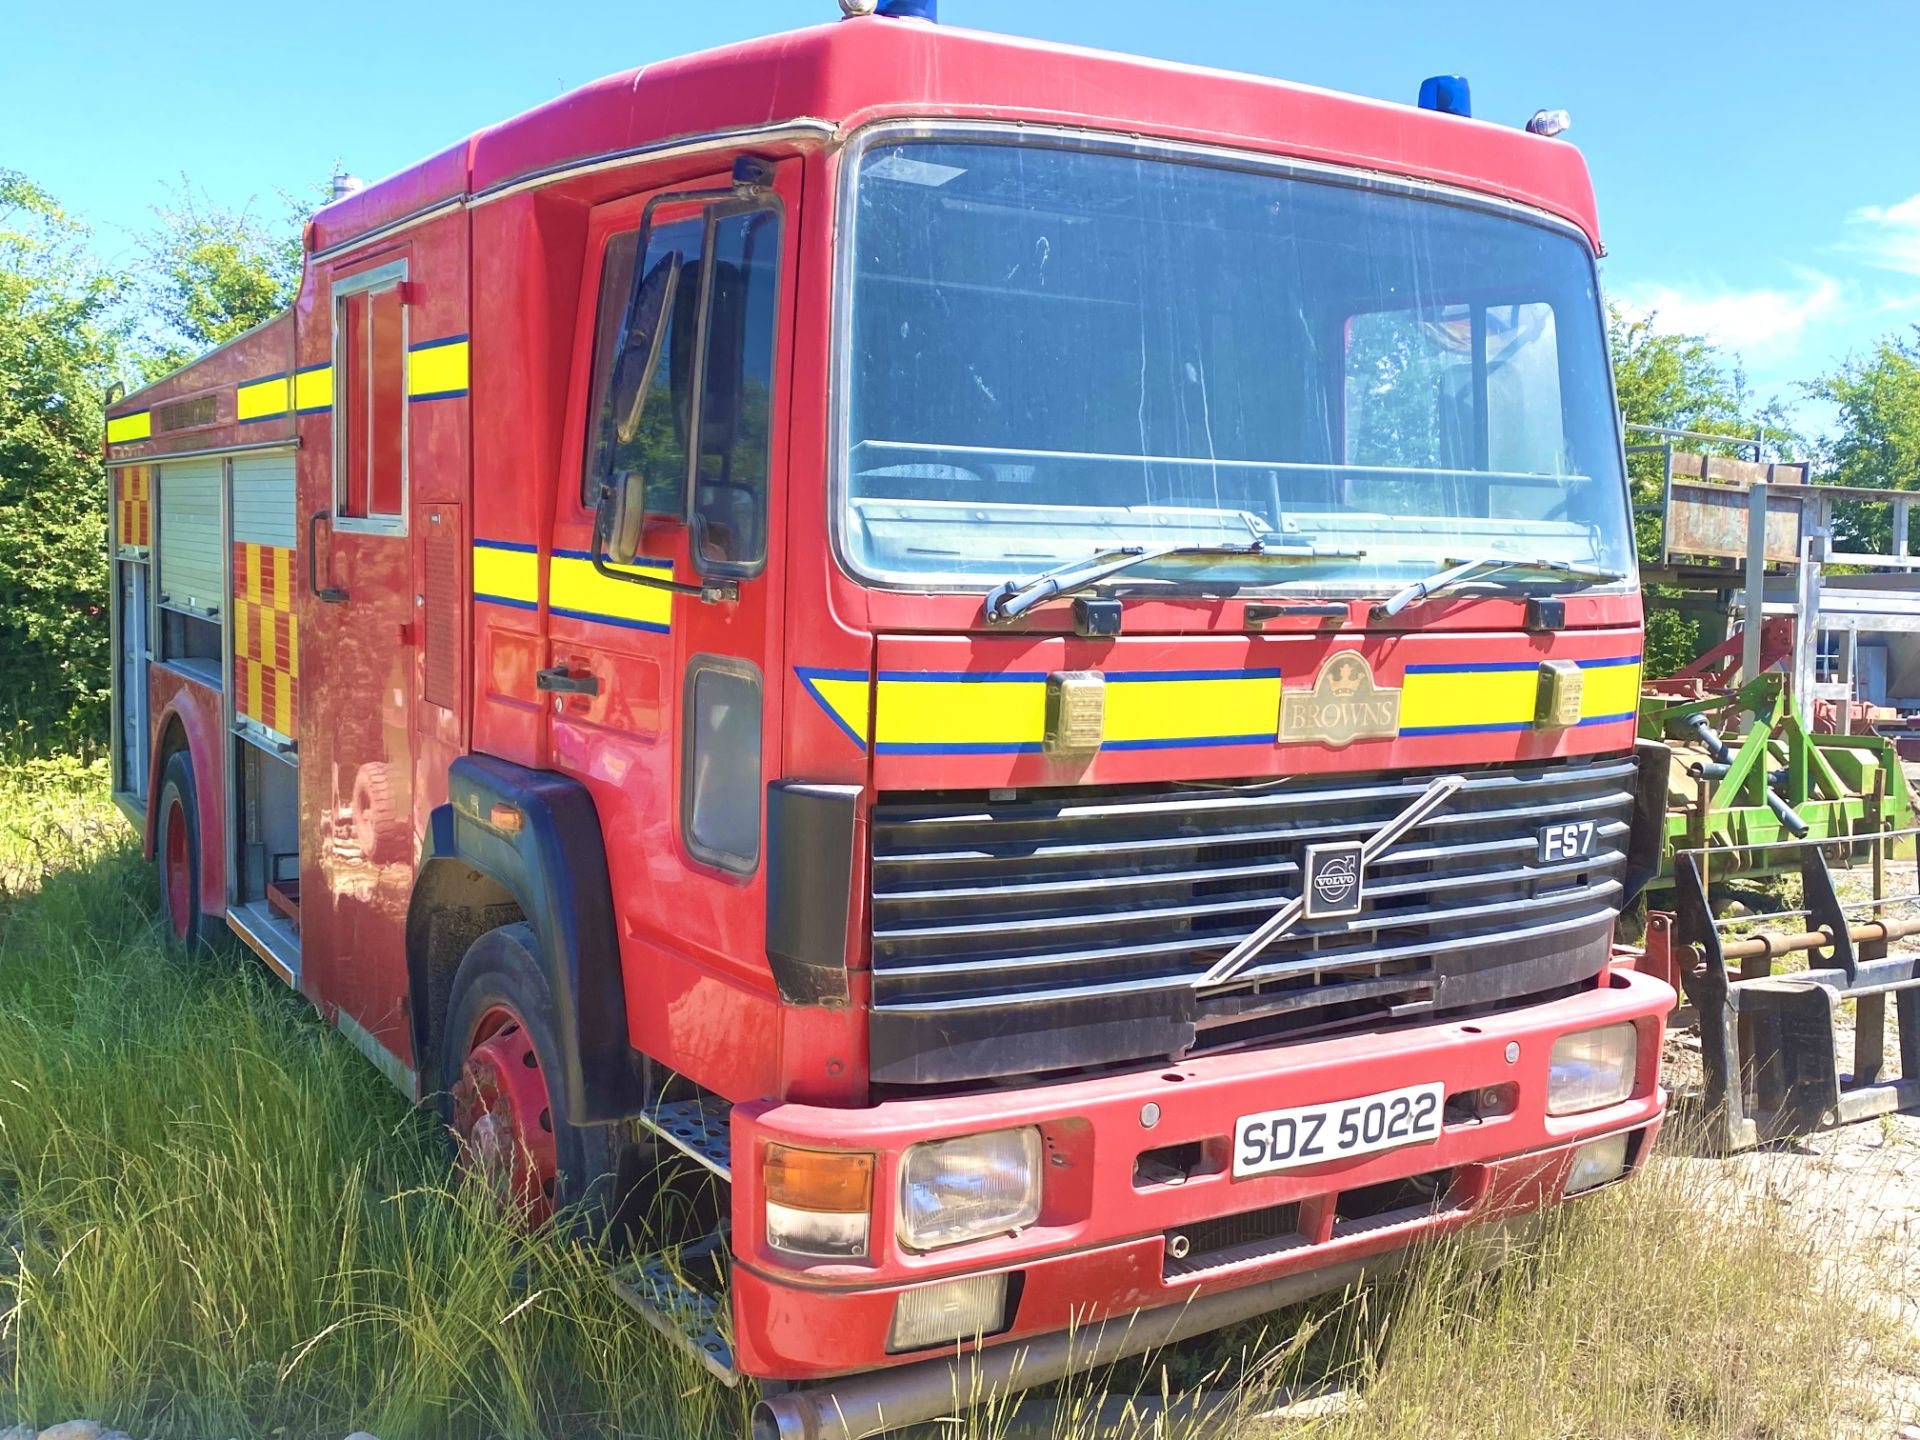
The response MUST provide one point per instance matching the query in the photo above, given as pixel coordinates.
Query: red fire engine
(1029, 656)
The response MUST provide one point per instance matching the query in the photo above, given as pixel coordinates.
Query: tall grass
(216, 1219)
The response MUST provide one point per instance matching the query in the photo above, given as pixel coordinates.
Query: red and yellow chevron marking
(266, 644)
(133, 523)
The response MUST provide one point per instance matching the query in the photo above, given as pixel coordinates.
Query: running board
(700, 1128)
(668, 1292)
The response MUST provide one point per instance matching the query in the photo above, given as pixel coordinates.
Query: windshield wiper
(1459, 571)
(1013, 598)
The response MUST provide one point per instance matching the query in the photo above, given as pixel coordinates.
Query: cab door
(661, 680)
(356, 647)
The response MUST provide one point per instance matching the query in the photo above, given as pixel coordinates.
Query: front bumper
(1100, 1246)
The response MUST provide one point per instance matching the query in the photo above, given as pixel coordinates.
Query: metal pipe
(882, 1400)
(1758, 946)
(1823, 840)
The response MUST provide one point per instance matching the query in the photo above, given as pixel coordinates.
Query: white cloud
(1747, 321)
(1888, 235)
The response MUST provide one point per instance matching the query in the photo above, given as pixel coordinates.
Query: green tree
(211, 273)
(1679, 382)
(58, 349)
(1877, 442)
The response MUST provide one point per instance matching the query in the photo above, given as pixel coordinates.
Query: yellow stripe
(941, 714)
(254, 705)
(961, 713)
(846, 700)
(259, 399)
(283, 705)
(1478, 697)
(293, 644)
(1609, 690)
(1004, 714)
(575, 587)
(269, 640)
(242, 620)
(1191, 709)
(437, 369)
(506, 574)
(252, 553)
(282, 579)
(124, 428)
(313, 389)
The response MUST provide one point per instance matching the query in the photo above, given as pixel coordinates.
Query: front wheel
(499, 1067)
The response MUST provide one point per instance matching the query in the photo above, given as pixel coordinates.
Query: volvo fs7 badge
(1333, 883)
(1343, 706)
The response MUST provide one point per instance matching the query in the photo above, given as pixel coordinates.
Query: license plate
(1312, 1134)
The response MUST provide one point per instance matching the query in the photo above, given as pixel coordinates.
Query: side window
(640, 420)
(720, 768)
(370, 396)
(695, 316)
(736, 403)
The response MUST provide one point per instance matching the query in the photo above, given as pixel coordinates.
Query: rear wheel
(177, 853)
(504, 1103)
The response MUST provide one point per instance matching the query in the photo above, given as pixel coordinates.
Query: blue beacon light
(911, 9)
(1449, 94)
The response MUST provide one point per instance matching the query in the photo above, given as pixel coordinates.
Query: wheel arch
(189, 721)
(550, 872)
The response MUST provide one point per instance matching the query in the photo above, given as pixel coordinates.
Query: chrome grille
(1050, 897)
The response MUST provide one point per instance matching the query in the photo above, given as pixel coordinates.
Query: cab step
(682, 1294)
(700, 1127)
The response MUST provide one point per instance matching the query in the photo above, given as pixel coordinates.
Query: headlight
(955, 1190)
(1590, 1069)
(952, 1310)
(1596, 1163)
(819, 1202)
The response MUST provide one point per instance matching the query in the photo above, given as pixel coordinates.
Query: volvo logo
(1334, 882)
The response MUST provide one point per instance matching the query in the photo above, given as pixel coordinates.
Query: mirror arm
(709, 591)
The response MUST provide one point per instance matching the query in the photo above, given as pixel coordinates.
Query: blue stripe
(514, 545)
(1610, 719)
(587, 555)
(967, 677)
(263, 379)
(438, 395)
(257, 419)
(1190, 743)
(1134, 677)
(309, 369)
(937, 747)
(652, 626)
(1468, 729)
(503, 600)
(814, 672)
(313, 410)
(1602, 664)
(436, 344)
(1473, 669)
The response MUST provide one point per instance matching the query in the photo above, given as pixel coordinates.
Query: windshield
(1055, 351)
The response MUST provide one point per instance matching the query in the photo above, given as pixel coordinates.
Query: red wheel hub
(503, 1118)
(176, 866)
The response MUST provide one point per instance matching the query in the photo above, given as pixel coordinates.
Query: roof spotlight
(1549, 122)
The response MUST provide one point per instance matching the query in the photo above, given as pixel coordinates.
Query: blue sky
(1757, 174)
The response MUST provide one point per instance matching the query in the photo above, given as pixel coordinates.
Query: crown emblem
(1344, 678)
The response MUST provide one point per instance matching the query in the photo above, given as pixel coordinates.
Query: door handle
(332, 594)
(562, 681)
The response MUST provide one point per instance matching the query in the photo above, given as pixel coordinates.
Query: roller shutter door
(263, 500)
(191, 576)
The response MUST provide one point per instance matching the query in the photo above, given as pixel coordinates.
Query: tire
(501, 1091)
(380, 833)
(176, 856)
